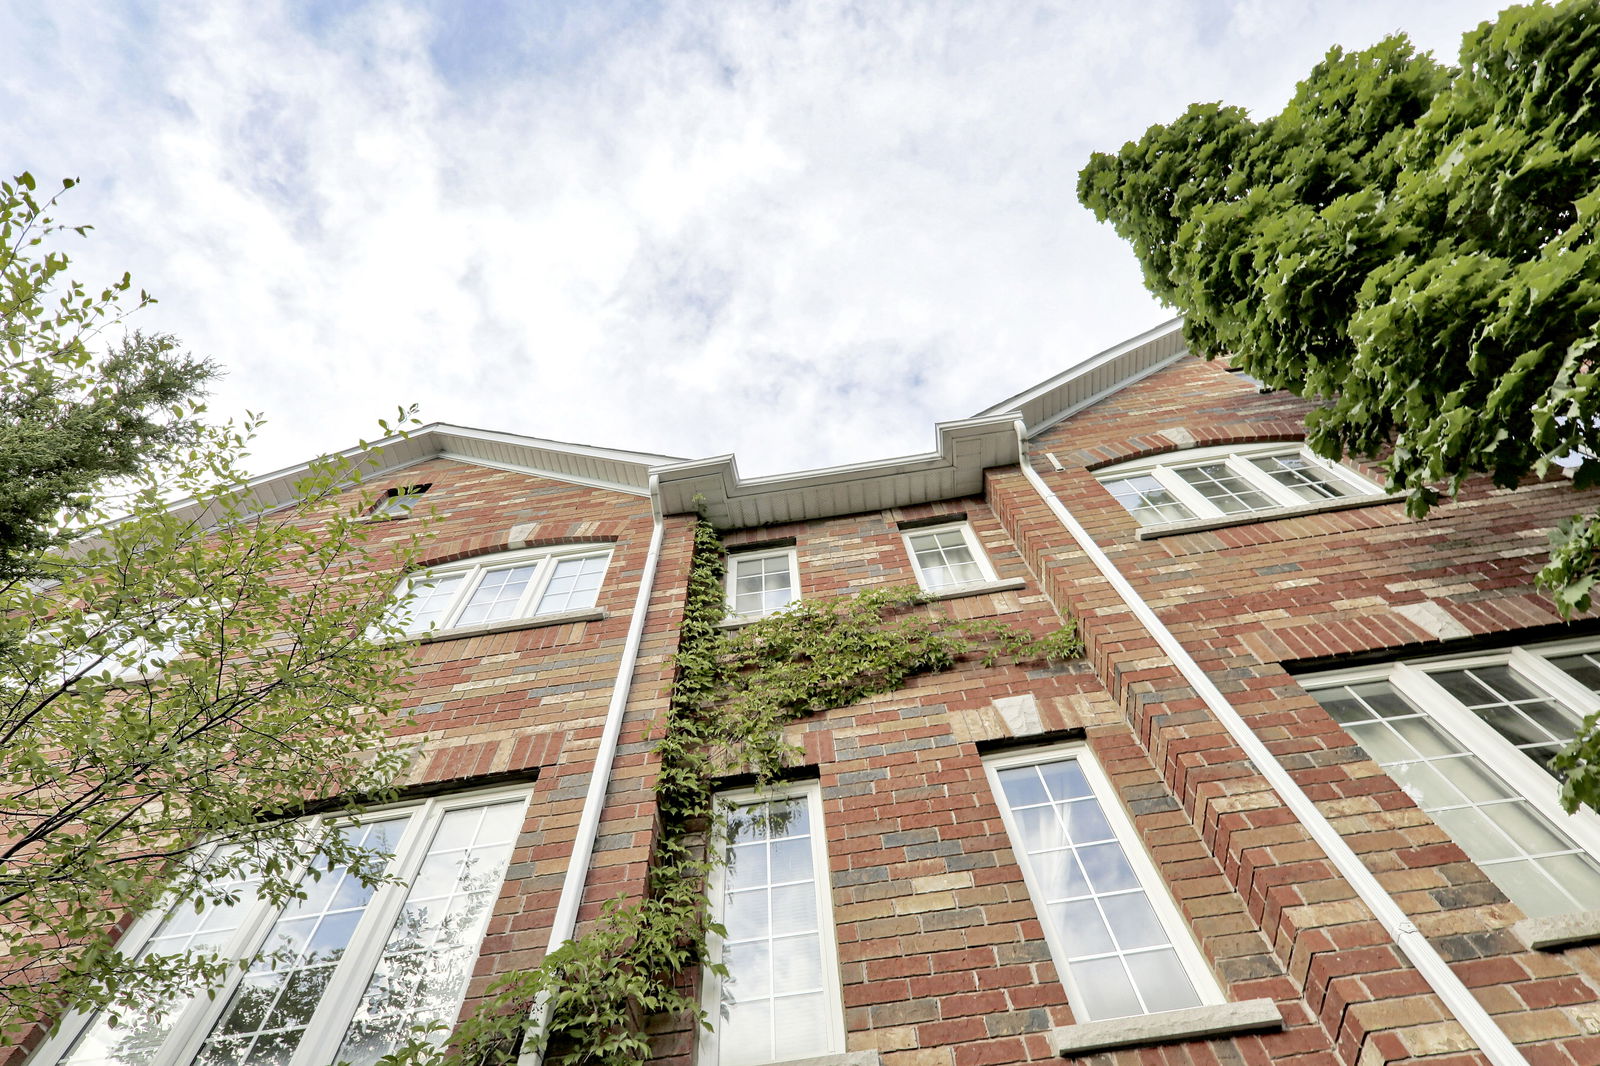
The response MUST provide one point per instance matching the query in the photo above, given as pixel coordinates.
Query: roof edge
(1051, 399)
(714, 487)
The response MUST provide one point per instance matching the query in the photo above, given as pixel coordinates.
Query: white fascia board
(1052, 399)
(967, 448)
(545, 458)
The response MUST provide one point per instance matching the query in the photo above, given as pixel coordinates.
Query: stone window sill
(1192, 1023)
(592, 614)
(848, 1058)
(1202, 525)
(1559, 931)
(960, 591)
(736, 621)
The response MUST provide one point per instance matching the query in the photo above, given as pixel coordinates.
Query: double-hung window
(503, 588)
(760, 583)
(1117, 940)
(780, 999)
(947, 557)
(1469, 739)
(345, 974)
(1218, 482)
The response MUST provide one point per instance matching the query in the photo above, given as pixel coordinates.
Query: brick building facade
(1277, 814)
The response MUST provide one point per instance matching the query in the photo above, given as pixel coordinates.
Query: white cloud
(799, 231)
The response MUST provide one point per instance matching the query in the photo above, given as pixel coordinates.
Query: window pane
(773, 1002)
(497, 595)
(1101, 913)
(1227, 491)
(944, 559)
(424, 604)
(270, 1009)
(434, 941)
(139, 1035)
(761, 585)
(1583, 668)
(574, 586)
(1500, 831)
(1531, 720)
(1303, 477)
(1148, 501)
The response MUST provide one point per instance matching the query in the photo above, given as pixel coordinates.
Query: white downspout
(1492, 1041)
(566, 917)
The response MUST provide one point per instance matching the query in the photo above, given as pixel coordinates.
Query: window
(503, 588)
(397, 502)
(1116, 938)
(780, 999)
(948, 557)
(344, 974)
(762, 582)
(1217, 482)
(1470, 740)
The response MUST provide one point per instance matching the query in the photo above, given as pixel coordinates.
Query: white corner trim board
(1478, 1023)
(566, 917)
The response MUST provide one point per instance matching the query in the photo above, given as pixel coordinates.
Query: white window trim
(979, 556)
(194, 1020)
(478, 566)
(1164, 469)
(1144, 868)
(736, 557)
(711, 984)
(1517, 770)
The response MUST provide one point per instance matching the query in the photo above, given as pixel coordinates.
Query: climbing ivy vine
(734, 692)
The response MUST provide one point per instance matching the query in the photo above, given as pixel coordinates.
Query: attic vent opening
(397, 502)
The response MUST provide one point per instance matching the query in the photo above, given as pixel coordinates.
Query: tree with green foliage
(71, 420)
(1413, 246)
(177, 682)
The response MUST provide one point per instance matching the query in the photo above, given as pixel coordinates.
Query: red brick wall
(943, 958)
(1246, 600)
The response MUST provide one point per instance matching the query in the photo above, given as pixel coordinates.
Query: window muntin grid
(502, 588)
(761, 584)
(574, 584)
(1531, 721)
(140, 1034)
(291, 991)
(1227, 491)
(780, 998)
(1118, 945)
(1220, 482)
(497, 595)
(433, 942)
(1530, 858)
(947, 557)
(1148, 501)
(273, 1004)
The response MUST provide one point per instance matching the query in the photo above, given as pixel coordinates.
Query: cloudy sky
(799, 231)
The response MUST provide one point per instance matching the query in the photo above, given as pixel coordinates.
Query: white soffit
(1095, 378)
(580, 464)
(966, 449)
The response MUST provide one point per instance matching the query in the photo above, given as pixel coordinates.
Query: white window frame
(979, 556)
(476, 568)
(1240, 461)
(737, 557)
(1529, 780)
(711, 984)
(193, 1021)
(1180, 936)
